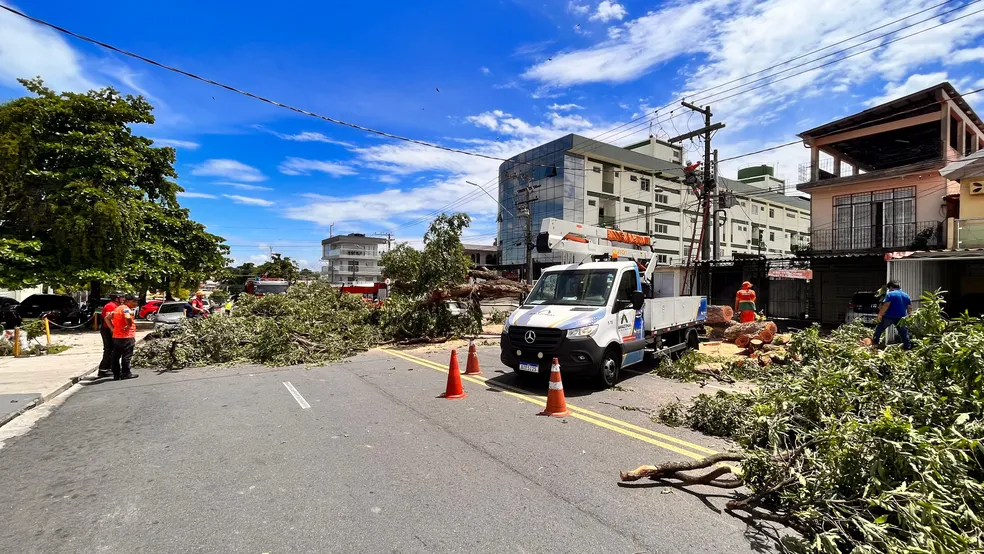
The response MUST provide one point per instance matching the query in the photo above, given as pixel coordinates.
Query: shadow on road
(762, 536)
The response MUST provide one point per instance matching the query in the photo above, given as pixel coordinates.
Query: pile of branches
(856, 449)
(414, 318)
(312, 323)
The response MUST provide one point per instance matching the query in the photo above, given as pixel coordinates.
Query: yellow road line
(601, 420)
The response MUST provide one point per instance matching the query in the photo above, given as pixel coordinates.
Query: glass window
(633, 178)
(626, 286)
(591, 202)
(772, 212)
(642, 211)
(662, 229)
(662, 199)
(585, 288)
(628, 209)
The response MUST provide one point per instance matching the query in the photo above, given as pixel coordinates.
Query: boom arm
(557, 235)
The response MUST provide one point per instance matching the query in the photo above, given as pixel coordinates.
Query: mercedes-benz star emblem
(530, 337)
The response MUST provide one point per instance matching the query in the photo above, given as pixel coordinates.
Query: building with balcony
(482, 255)
(880, 208)
(638, 189)
(352, 258)
(874, 180)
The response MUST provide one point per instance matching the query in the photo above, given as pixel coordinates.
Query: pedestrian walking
(895, 306)
(106, 332)
(124, 337)
(228, 307)
(745, 303)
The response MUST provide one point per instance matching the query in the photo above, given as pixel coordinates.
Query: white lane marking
(297, 396)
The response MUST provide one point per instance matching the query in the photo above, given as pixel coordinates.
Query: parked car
(94, 307)
(149, 310)
(8, 312)
(170, 315)
(58, 308)
(863, 306)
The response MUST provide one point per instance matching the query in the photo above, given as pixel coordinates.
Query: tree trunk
(95, 290)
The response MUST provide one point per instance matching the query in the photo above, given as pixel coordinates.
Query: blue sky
(510, 74)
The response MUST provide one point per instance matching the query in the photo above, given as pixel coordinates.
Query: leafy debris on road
(311, 323)
(858, 450)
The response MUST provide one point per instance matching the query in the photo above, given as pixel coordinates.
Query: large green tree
(84, 200)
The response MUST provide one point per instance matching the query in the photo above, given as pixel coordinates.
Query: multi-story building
(639, 189)
(482, 255)
(879, 203)
(763, 176)
(352, 258)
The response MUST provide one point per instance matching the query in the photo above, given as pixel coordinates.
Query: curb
(46, 397)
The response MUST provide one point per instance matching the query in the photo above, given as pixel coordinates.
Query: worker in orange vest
(745, 303)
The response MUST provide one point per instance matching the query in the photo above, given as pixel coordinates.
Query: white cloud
(28, 49)
(913, 83)
(301, 166)
(615, 32)
(577, 8)
(402, 204)
(228, 169)
(388, 179)
(197, 195)
(242, 186)
(485, 70)
(968, 55)
(607, 11)
(175, 143)
(728, 51)
(305, 136)
(564, 107)
(248, 200)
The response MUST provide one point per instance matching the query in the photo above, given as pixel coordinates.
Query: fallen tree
(420, 310)
(312, 323)
(856, 449)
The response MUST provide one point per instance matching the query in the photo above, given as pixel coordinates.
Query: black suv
(58, 308)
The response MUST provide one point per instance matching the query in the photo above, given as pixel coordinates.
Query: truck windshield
(270, 288)
(582, 288)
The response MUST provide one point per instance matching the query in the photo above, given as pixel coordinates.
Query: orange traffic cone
(471, 368)
(454, 389)
(556, 405)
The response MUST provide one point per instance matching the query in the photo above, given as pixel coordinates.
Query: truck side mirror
(638, 299)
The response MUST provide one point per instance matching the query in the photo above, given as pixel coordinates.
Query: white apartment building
(352, 258)
(639, 188)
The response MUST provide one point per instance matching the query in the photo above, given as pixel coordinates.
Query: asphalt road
(232, 460)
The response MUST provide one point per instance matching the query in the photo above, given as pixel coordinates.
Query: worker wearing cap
(198, 305)
(124, 337)
(745, 303)
(106, 331)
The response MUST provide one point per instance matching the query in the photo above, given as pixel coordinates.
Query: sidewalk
(28, 382)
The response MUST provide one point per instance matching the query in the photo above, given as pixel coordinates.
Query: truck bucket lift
(589, 242)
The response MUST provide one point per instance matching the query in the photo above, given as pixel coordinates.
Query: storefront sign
(791, 274)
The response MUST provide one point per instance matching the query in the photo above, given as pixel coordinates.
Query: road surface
(359, 456)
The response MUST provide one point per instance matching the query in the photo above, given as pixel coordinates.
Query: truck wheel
(693, 341)
(608, 374)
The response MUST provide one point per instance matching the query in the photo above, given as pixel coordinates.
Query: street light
(492, 197)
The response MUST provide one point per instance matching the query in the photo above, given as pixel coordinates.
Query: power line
(782, 63)
(247, 93)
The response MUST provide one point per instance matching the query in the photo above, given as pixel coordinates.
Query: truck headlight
(582, 331)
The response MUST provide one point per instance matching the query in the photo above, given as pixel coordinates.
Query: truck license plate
(526, 366)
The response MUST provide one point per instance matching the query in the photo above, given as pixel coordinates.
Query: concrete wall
(20, 294)
(971, 205)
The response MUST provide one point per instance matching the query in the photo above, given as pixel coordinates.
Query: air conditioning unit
(976, 187)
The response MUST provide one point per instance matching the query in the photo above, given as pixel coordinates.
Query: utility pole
(715, 208)
(389, 239)
(524, 209)
(710, 176)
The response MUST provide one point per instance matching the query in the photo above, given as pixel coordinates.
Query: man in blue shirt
(897, 305)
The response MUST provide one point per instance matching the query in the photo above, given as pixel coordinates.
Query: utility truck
(600, 314)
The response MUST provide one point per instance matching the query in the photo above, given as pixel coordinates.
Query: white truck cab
(595, 317)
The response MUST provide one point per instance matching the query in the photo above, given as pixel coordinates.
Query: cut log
(752, 328)
(500, 288)
(772, 328)
(766, 336)
(741, 341)
(720, 314)
(765, 360)
(756, 344)
(770, 347)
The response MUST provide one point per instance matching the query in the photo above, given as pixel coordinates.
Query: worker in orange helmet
(745, 303)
